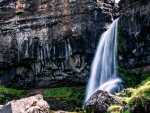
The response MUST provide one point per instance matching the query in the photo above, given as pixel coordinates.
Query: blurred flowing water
(104, 66)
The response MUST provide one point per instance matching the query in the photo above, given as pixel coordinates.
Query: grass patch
(69, 94)
(138, 97)
(7, 94)
(59, 93)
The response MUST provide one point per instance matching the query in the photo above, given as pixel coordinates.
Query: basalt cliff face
(50, 43)
(135, 33)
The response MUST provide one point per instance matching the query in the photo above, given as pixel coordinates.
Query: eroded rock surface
(100, 101)
(1, 108)
(33, 104)
(49, 43)
(135, 28)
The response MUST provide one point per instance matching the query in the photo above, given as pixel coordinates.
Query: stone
(1, 107)
(100, 101)
(33, 104)
(135, 33)
(110, 1)
(47, 43)
(60, 111)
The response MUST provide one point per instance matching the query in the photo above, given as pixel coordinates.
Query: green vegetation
(7, 94)
(141, 94)
(138, 97)
(132, 79)
(114, 108)
(127, 111)
(73, 95)
(129, 78)
(59, 93)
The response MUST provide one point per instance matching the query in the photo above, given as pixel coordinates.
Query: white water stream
(103, 71)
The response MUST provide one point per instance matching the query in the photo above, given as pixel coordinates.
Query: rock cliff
(134, 33)
(50, 43)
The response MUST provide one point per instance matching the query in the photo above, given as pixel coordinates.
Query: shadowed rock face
(135, 25)
(100, 101)
(49, 43)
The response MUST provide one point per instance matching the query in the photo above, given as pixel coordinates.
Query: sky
(117, 1)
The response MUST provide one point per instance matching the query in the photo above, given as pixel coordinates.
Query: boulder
(1, 107)
(33, 104)
(100, 101)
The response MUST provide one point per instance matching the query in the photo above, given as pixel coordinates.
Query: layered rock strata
(135, 33)
(50, 43)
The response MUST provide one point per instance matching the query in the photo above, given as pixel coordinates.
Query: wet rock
(135, 33)
(110, 1)
(33, 104)
(46, 43)
(1, 108)
(100, 101)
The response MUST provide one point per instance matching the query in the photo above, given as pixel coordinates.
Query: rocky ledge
(134, 33)
(47, 43)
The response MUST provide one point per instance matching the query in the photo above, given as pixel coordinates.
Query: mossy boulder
(100, 101)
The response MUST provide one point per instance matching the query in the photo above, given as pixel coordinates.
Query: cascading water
(103, 71)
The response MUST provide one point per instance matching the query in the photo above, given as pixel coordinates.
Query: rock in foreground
(33, 104)
(100, 101)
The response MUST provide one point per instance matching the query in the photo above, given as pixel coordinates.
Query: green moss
(59, 93)
(129, 92)
(139, 96)
(73, 95)
(7, 94)
(132, 79)
(114, 109)
(127, 111)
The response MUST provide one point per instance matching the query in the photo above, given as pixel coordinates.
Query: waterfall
(103, 70)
